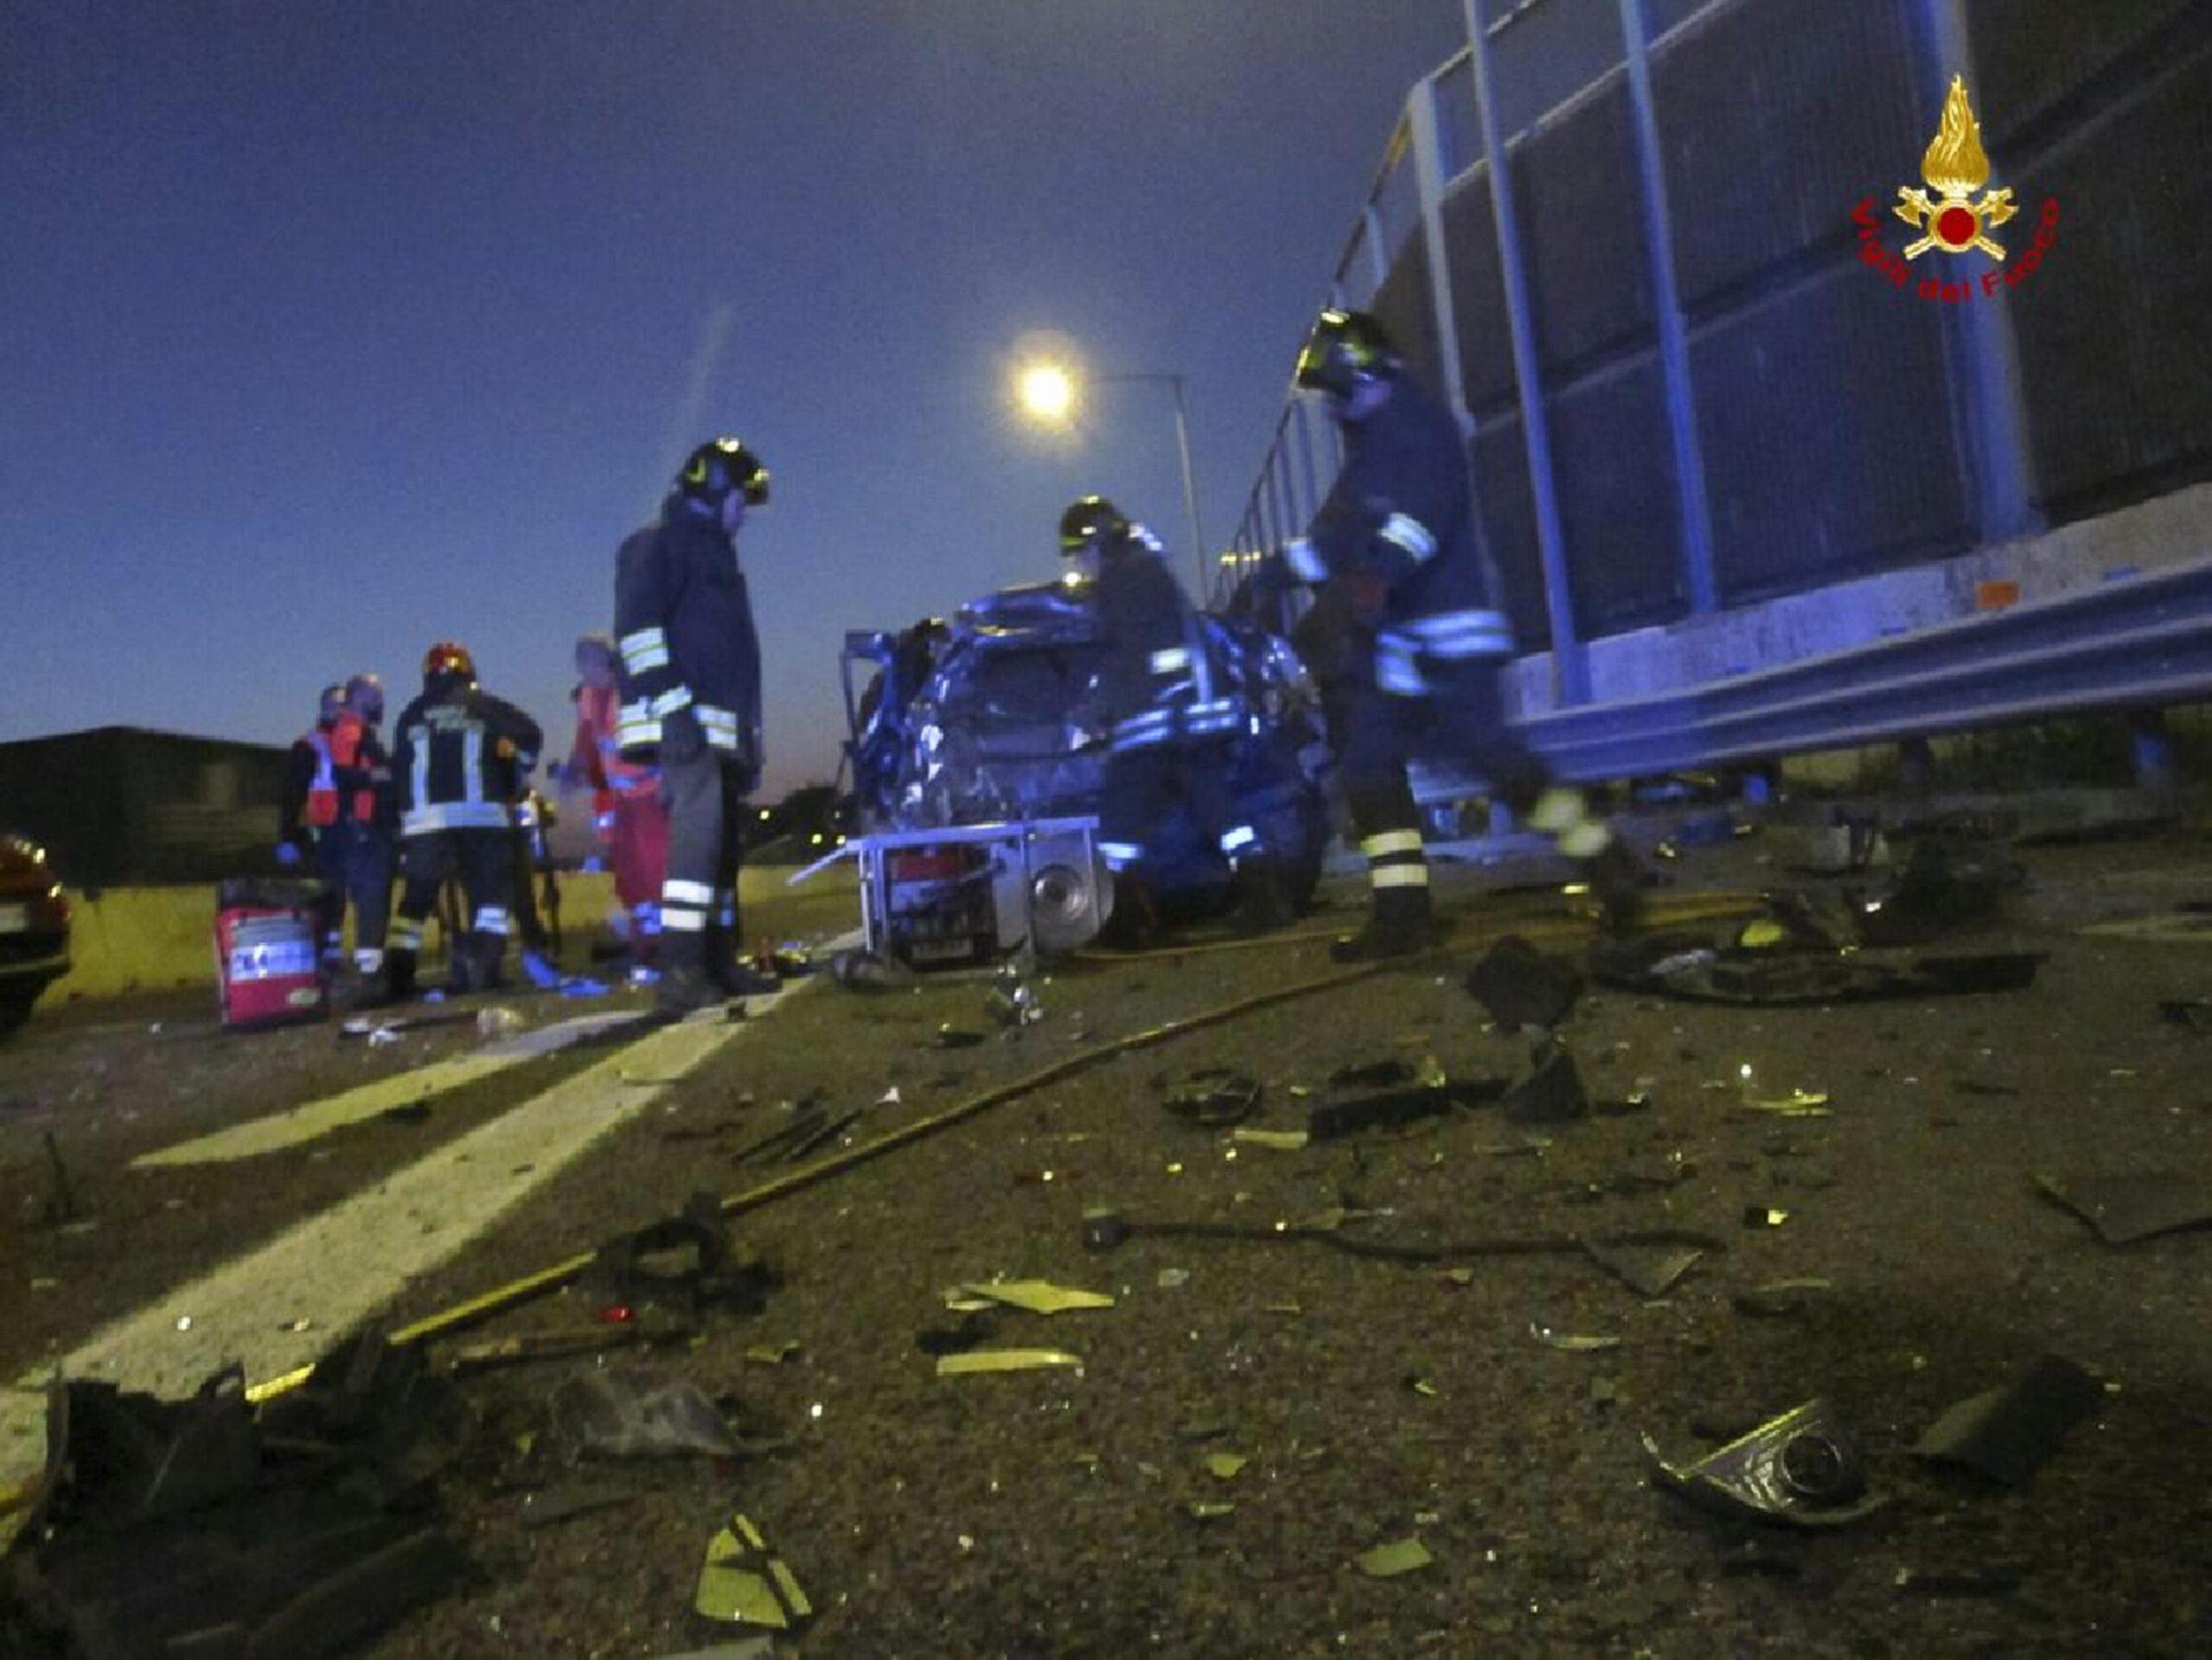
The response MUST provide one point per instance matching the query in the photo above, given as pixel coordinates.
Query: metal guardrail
(2139, 643)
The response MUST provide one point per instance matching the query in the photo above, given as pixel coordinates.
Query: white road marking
(318, 1118)
(336, 1269)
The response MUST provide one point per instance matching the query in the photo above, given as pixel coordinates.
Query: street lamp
(1047, 391)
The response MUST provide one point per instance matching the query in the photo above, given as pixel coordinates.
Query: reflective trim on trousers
(1118, 855)
(1399, 876)
(1307, 564)
(676, 891)
(682, 919)
(1242, 837)
(1391, 841)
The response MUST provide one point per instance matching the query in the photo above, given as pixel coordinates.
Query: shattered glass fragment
(1389, 1561)
(2005, 1433)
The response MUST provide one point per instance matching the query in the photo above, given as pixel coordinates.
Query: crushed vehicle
(993, 718)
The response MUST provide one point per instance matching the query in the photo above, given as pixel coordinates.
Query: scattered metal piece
(1215, 1097)
(1648, 1270)
(2135, 1205)
(1802, 1469)
(2005, 1433)
(1518, 986)
(1389, 1561)
(1782, 1297)
(742, 1583)
(1571, 1342)
(1798, 1104)
(1004, 1360)
(1037, 1296)
(1103, 1228)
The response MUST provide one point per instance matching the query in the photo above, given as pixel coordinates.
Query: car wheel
(15, 1009)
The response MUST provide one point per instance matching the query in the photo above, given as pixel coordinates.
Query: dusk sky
(330, 329)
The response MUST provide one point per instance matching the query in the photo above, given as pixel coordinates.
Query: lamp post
(1048, 392)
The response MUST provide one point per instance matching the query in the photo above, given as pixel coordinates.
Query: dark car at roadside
(34, 929)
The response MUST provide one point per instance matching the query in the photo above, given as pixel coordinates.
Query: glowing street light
(1047, 391)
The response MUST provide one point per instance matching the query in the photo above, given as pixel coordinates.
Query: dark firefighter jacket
(684, 626)
(1158, 681)
(1398, 523)
(459, 758)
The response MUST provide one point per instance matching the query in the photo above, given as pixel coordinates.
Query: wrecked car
(994, 717)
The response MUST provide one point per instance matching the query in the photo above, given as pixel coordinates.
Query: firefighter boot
(1403, 924)
(724, 970)
(684, 988)
(392, 981)
(1263, 896)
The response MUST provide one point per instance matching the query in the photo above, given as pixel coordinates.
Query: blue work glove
(288, 854)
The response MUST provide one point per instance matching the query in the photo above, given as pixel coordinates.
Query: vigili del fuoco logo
(1954, 222)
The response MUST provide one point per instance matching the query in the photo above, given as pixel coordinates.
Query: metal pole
(1190, 480)
(1571, 677)
(1985, 353)
(1674, 331)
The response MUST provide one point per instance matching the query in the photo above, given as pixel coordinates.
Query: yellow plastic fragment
(1388, 1561)
(1037, 1296)
(1004, 1360)
(1224, 1466)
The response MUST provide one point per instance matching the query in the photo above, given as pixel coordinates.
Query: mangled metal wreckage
(979, 753)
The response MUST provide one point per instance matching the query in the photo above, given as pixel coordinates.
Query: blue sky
(327, 331)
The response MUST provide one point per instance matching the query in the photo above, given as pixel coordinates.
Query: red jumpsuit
(626, 806)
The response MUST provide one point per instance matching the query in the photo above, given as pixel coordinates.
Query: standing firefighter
(691, 699)
(1394, 544)
(308, 819)
(459, 757)
(368, 816)
(1172, 734)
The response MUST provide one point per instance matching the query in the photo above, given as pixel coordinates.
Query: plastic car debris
(1552, 1093)
(1037, 1296)
(1518, 986)
(2005, 1433)
(1648, 1270)
(1215, 1097)
(1387, 1562)
(625, 1415)
(1004, 1360)
(743, 1583)
(1802, 1469)
(1224, 1466)
(1573, 1342)
(1781, 1297)
(2130, 1206)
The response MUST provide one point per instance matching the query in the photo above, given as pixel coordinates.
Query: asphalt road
(1370, 1401)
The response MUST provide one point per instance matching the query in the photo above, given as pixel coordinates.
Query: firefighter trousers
(1142, 786)
(482, 861)
(705, 806)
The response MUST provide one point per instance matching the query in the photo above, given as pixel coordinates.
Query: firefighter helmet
(449, 660)
(1344, 348)
(1090, 518)
(720, 468)
(365, 697)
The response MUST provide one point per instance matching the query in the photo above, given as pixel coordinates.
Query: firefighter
(1403, 600)
(306, 815)
(690, 684)
(628, 816)
(368, 816)
(459, 757)
(1173, 728)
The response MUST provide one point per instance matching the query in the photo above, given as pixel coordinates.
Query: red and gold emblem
(1955, 167)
